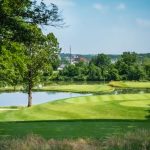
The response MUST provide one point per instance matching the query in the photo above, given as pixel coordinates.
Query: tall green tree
(94, 73)
(20, 21)
(103, 62)
(146, 65)
(127, 66)
(40, 56)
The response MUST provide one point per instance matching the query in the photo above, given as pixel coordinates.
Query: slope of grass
(82, 117)
(129, 84)
(90, 107)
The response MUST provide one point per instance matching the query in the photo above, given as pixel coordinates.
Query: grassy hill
(83, 117)
(131, 106)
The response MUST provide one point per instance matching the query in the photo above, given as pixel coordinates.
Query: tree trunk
(14, 88)
(29, 96)
(30, 88)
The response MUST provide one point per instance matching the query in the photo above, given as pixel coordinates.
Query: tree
(19, 23)
(102, 61)
(146, 65)
(113, 73)
(70, 71)
(94, 73)
(129, 58)
(122, 68)
(126, 66)
(40, 57)
(12, 64)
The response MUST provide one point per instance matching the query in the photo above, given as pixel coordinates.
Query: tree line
(128, 67)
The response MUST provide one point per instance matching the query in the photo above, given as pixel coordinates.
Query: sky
(103, 26)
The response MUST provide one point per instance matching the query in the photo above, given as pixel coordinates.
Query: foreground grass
(139, 140)
(84, 117)
(129, 84)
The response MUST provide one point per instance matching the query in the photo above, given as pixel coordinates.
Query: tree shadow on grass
(148, 115)
(83, 128)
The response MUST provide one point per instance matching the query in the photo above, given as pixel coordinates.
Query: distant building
(78, 58)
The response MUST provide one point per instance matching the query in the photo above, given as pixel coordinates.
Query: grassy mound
(82, 117)
(131, 106)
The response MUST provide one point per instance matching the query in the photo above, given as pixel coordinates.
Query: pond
(20, 99)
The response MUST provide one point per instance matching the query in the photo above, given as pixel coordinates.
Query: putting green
(139, 103)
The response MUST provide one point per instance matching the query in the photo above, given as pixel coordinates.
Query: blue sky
(103, 26)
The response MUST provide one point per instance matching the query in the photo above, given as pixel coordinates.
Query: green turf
(127, 106)
(78, 88)
(130, 84)
(82, 117)
(75, 87)
(72, 129)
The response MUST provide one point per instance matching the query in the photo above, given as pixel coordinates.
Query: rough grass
(129, 84)
(139, 140)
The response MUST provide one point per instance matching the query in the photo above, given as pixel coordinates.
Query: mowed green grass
(127, 106)
(129, 84)
(78, 88)
(82, 117)
(66, 129)
(84, 88)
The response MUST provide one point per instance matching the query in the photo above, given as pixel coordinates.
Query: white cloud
(143, 22)
(121, 6)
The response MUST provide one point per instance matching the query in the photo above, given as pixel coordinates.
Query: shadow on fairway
(81, 120)
(60, 129)
(148, 116)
